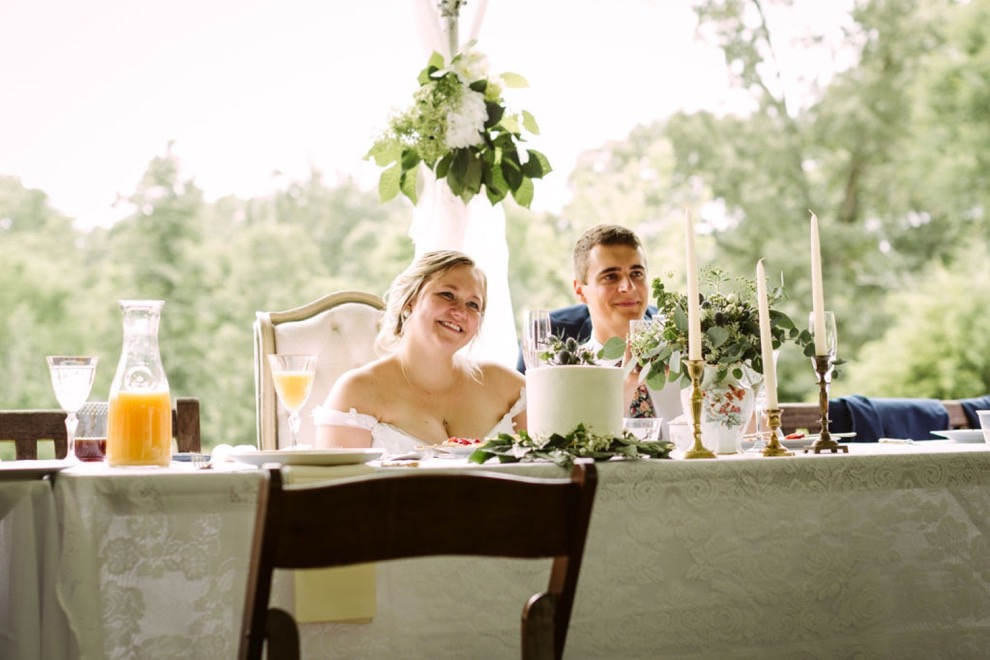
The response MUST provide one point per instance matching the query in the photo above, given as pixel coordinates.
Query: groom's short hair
(604, 234)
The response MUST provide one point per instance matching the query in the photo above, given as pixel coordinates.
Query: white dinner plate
(307, 456)
(447, 451)
(459, 450)
(30, 469)
(961, 435)
(801, 443)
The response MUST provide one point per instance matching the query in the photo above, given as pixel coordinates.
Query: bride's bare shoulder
(362, 383)
(501, 378)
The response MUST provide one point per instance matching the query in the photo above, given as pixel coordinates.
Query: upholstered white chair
(339, 328)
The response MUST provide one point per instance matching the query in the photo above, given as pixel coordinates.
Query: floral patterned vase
(726, 409)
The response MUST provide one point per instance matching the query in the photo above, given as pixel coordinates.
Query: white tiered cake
(558, 398)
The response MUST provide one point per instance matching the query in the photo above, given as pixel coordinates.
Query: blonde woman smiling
(421, 391)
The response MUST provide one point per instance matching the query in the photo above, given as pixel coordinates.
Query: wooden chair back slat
(186, 425)
(957, 416)
(27, 428)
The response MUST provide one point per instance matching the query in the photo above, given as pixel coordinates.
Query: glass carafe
(139, 430)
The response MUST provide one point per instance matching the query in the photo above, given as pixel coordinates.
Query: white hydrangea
(466, 122)
(470, 66)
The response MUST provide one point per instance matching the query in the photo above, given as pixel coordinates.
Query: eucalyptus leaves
(460, 128)
(564, 449)
(730, 328)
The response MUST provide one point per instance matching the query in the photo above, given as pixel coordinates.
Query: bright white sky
(93, 90)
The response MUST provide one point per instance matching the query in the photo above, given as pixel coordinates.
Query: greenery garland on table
(564, 449)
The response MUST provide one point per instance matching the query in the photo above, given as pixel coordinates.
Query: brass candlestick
(695, 369)
(773, 447)
(823, 367)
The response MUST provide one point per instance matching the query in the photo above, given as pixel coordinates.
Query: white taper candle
(766, 340)
(693, 302)
(817, 295)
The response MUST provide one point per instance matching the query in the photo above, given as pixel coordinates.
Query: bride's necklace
(430, 391)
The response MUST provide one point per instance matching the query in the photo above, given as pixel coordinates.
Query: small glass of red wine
(91, 439)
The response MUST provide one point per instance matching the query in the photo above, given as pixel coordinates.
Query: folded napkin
(970, 406)
(346, 593)
(875, 418)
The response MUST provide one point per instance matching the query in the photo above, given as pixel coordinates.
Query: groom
(612, 283)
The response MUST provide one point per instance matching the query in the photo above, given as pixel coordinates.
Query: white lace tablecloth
(881, 553)
(153, 561)
(838, 556)
(28, 557)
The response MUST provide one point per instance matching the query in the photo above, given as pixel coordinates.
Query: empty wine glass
(831, 336)
(536, 336)
(760, 409)
(293, 377)
(641, 335)
(72, 380)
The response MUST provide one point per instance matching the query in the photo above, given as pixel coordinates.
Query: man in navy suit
(612, 283)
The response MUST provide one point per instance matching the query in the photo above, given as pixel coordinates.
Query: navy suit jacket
(573, 321)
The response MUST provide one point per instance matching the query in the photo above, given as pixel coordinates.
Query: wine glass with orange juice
(293, 376)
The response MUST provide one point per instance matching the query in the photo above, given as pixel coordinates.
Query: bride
(422, 391)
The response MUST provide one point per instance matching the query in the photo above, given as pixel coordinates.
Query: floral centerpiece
(459, 127)
(730, 328)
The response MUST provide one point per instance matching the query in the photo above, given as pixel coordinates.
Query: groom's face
(616, 290)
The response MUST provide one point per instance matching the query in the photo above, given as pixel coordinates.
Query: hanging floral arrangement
(460, 127)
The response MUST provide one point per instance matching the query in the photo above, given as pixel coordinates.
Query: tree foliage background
(892, 154)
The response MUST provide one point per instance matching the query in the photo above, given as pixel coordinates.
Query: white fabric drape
(443, 221)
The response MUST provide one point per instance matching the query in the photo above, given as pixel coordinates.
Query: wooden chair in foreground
(382, 517)
(27, 427)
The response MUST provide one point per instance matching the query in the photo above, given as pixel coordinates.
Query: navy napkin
(970, 406)
(875, 418)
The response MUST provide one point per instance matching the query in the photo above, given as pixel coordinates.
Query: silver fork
(202, 461)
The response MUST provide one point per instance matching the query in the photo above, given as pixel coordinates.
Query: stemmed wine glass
(760, 408)
(831, 336)
(72, 380)
(293, 376)
(536, 336)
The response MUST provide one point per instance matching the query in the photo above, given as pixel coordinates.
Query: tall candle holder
(823, 367)
(773, 447)
(695, 369)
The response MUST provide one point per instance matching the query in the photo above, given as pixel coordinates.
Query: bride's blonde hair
(405, 290)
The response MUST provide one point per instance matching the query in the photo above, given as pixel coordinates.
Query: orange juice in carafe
(139, 426)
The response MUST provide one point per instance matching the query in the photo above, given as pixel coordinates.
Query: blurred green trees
(893, 154)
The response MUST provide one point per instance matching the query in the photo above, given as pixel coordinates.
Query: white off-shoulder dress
(392, 438)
